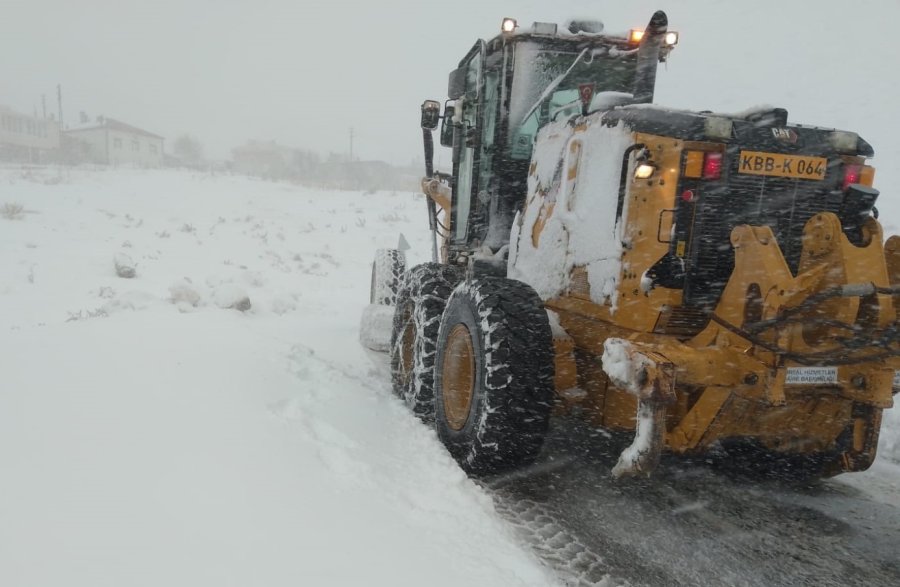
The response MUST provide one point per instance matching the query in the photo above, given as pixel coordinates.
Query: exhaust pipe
(648, 58)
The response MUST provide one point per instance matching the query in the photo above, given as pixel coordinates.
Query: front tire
(493, 375)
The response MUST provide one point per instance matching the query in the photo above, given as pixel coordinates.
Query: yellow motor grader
(706, 281)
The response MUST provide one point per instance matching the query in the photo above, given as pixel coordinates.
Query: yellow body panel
(645, 201)
(725, 386)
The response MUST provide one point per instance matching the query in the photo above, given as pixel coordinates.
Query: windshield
(546, 80)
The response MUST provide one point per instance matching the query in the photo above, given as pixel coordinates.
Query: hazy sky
(304, 72)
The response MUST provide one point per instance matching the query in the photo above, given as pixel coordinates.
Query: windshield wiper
(553, 85)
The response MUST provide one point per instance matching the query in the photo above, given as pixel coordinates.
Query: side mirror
(456, 86)
(431, 113)
(447, 126)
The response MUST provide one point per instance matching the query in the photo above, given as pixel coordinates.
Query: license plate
(778, 165)
(811, 376)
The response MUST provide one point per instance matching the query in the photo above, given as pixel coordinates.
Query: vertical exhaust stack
(428, 141)
(648, 57)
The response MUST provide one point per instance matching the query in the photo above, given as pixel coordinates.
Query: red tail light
(852, 174)
(712, 165)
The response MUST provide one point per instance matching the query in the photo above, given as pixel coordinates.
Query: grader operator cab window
(546, 84)
(466, 115)
(502, 93)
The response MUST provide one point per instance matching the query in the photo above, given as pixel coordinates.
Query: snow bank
(152, 435)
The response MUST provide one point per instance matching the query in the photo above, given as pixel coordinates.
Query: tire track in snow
(576, 564)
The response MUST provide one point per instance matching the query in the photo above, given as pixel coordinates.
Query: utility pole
(44, 103)
(59, 102)
(351, 144)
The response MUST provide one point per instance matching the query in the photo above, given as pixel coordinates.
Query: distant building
(111, 142)
(263, 159)
(27, 138)
(270, 160)
(358, 175)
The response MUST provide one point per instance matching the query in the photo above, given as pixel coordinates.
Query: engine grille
(783, 204)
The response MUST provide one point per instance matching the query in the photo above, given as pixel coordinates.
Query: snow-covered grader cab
(710, 282)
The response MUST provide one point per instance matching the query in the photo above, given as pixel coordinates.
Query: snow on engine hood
(573, 190)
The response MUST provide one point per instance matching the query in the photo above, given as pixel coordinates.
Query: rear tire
(494, 375)
(421, 298)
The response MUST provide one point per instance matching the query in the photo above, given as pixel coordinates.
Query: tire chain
(396, 262)
(428, 286)
(511, 315)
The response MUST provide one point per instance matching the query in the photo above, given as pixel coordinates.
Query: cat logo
(785, 135)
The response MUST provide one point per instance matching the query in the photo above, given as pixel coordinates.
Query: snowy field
(152, 435)
(154, 431)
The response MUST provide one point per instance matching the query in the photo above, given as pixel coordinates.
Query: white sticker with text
(812, 376)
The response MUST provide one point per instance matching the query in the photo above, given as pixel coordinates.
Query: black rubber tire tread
(387, 274)
(422, 295)
(514, 369)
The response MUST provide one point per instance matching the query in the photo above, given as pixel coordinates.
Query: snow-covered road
(150, 434)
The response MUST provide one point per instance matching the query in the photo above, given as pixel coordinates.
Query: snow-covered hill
(151, 435)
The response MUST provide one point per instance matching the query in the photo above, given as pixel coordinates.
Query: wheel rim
(458, 377)
(407, 342)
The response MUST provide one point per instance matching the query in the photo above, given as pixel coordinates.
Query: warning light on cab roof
(635, 36)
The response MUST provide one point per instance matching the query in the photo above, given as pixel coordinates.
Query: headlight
(644, 170)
